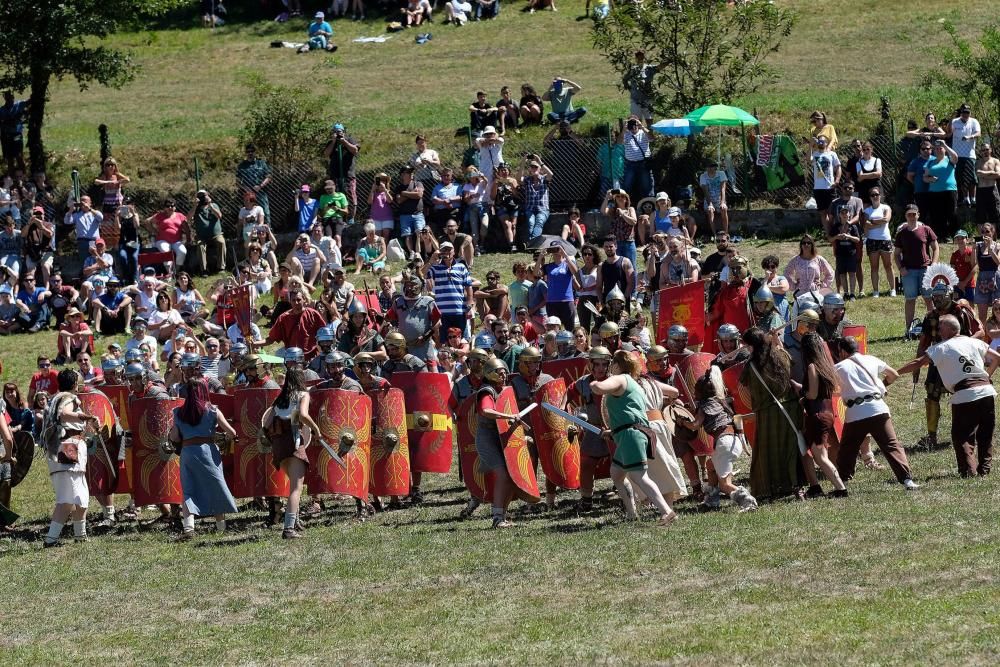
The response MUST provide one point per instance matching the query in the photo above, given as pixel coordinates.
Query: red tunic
(297, 330)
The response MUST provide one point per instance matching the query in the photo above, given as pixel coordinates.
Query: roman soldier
(134, 356)
(732, 305)
(112, 369)
(399, 359)
(529, 379)
(325, 339)
(564, 346)
(296, 358)
(359, 336)
(467, 386)
(416, 317)
(677, 343)
(364, 370)
(731, 351)
(190, 369)
(832, 321)
(334, 365)
(765, 313)
(593, 447)
(140, 385)
(255, 373)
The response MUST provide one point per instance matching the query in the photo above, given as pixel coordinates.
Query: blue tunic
(202, 481)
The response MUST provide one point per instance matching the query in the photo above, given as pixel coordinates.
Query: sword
(333, 454)
(522, 413)
(573, 419)
(592, 308)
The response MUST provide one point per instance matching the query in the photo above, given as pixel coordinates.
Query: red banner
(684, 305)
(242, 299)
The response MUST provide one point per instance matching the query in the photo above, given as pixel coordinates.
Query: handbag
(800, 439)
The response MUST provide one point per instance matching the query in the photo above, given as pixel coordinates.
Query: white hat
(672, 211)
(319, 15)
(662, 196)
(446, 244)
(553, 321)
(489, 129)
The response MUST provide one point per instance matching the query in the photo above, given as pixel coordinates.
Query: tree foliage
(66, 38)
(286, 123)
(972, 72)
(707, 53)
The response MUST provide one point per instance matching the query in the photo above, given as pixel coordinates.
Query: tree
(707, 53)
(65, 38)
(285, 123)
(973, 74)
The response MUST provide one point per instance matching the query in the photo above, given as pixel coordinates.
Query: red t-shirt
(297, 330)
(46, 381)
(168, 227)
(915, 246)
(530, 334)
(964, 262)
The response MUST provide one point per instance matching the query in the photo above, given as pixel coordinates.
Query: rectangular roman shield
(860, 334)
(224, 404)
(559, 456)
(369, 297)
(118, 395)
(254, 474)
(689, 369)
(570, 370)
(740, 393)
(479, 483)
(428, 419)
(345, 422)
(390, 450)
(684, 305)
(156, 476)
(515, 450)
(102, 454)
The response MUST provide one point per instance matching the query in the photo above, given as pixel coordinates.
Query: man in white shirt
(964, 132)
(457, 11)
(966, 365)
(863, 391)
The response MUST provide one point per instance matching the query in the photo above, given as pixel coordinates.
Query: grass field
(189, 97)
(885, 577)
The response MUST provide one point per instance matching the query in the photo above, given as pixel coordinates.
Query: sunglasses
(45, 365)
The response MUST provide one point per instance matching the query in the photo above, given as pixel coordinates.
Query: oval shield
(24, 454)
(479, 484)
(103, 443)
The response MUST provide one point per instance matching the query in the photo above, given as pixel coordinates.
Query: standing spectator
(250, 216)
(611, 157)
(87, 223)
(39, 242)
(531, 105)
(380, 206)
(878, 242)
(906, 150)
(535, 186)
(714, 184)
(868, 172)
(169, 228)
(823, 129)
(11, 132)
(462, 242)
(305, 260)
(10, 247)
(637, 180)
(451, 285)
(615, 271)
(987, 196)
(128, 241)
(518, 290)
(474, 197)
(481, 114)
(942, 189)
(639, 83)
(409, 195)
(306, 209)
(851, 172)
(342, 152)
(826, 174)
(206, 221)
(808, 271)
(425, 161)
(560, 272)
(845, 238)
(332, 211)
(915, 175)
(560, 98)
(619, 210)
(987, 261)
(964, 132)
(963, 260)
(508, 110)
(111, 181)
(504, 192)
(916, 248)
(446, 200)
(846, 198)
(585, 282)
(490, 147)
(253, 174)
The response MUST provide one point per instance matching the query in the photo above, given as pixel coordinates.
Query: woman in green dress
(776, 466)
(629, 427)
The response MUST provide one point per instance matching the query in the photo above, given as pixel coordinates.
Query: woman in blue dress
(204, 487)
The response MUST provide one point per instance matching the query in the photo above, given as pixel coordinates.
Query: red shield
(345, 422)
(241, 298)
(428, 420)
(224, 404)
(369, 297)
(118, 395)
(860, 334)
(740, 393)
(560, 457)
(515, 450)
(102, 462)
(156, 476)
(254, 473)
(570, 370)
(390, 450)
(480, 484)
(689, 370)
(839, 414)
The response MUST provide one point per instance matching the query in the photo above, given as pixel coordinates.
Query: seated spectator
(74, 337)
(481, 114)
(251, 216)
(89, 374)
(320, 35)
(531, 106)
(10, 246)
(416, 12)
(34, 305)
(457, 12)
(9, 312)
(163, 321)
(541, 4)
(327, 245)
(100, 265)
(187, 299)
(169, 229)
(508, 110)
(446, 200)
(264, 237)
(371, 251)
(21, 418)
(487, 9)
(491, 298)
(333, 208)
(305, 260)
(427, 245)
(44, 381)
(464, 248)
(255, 270)
(560, 97)
(38, 242)
(112, 310)
(380, 206)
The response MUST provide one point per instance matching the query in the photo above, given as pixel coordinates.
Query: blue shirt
(30, 299)
(307, 214)
(314, 28)
(538, 294)
(917, 166)
(111, 302)
(449, 287)
(442, 191)
(945, 172)
(12, 118)
(560, 281)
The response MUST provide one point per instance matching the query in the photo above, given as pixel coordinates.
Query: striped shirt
(636, 146)
(449, 287)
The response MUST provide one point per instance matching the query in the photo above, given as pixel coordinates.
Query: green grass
(188, 98)
(886, 577)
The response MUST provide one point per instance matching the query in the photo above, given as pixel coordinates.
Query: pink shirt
(168, 227)
(381, 210)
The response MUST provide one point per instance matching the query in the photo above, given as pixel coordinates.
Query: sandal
(871, 463)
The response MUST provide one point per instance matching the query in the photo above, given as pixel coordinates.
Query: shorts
(384, 225)
(728, 448)
(986, 288)
(847, 264)
(5, 471)
(912, 283)
(873, 246)
(823, 199)
(506, 212)
(716, 204)
(411, 224)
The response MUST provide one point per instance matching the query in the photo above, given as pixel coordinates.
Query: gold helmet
(364, 358)
(495, 370)
(528, 355)
(479, 354)
(396, 339)
(252, 362)
(808, 316)
(609, 330)
(656, 353)
(599, 353)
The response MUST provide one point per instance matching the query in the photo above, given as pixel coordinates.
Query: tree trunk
(36, 117)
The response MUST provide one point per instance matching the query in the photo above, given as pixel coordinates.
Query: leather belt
(867, 398)
(969, 383)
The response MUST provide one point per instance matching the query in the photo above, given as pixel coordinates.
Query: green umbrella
(720, 114)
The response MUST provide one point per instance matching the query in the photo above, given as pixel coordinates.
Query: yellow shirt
(829, 132)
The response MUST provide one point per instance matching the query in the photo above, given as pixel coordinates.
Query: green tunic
(776, 466)
(630, 444)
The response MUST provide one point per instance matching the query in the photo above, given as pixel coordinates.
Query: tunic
(630, 443)
(284, 434)
(488, 444)
(776, 467)
(591, 444)
(202, 481)
(664, 469)
(414, 319)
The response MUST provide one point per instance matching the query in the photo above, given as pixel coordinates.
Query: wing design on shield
(559, 456)
(690, 369)
(479, 483)
(103, 443)
(390, 444)
(254, 473)
(118, 395)
(345, 422)
(570, 370)
(158, 478)
(515, 451)
(428, 420)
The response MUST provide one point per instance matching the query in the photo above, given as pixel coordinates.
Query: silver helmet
(135, 370)
(728, 332)
(326, 335)
(294, 355)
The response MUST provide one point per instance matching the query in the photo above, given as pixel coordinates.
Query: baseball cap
(38, 209)
(962, 234)
(305, 188)
(662, 196)
(672, 211)
(553, 321)
(319, 15)
(99, 241)
(338, 126)
(446, 244)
